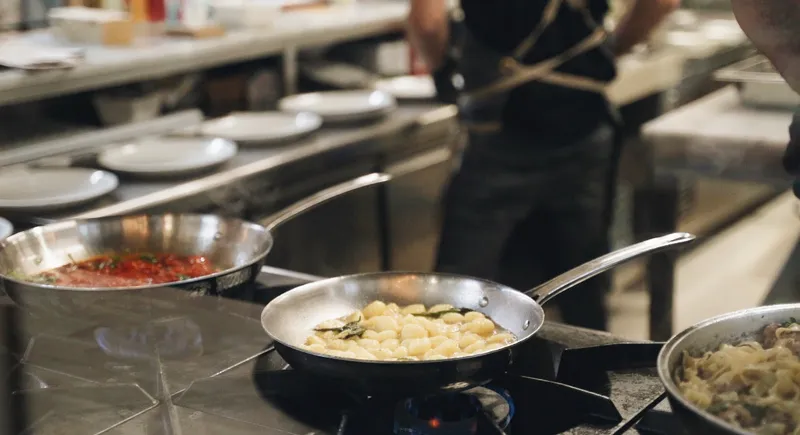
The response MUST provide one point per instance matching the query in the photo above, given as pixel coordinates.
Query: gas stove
(204, 366)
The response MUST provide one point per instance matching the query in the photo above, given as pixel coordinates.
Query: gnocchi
(388, 332)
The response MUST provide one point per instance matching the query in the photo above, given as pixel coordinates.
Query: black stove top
(205, 366)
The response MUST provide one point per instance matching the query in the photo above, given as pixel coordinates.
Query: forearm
(639, 21)
(772, 25)
(428, 30)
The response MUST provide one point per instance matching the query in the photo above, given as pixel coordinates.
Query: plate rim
(391, 103)
(74, 198)
(103, 158)
(314, 126)
(385, 83)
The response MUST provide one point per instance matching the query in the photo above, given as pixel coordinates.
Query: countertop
(178, 365)
(716, 136)
(159, 57)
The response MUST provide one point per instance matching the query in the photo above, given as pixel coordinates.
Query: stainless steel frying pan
(236, 246)
(291, 318)
(708, 335)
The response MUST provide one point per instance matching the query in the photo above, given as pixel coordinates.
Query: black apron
(487, 77)
(470, 237)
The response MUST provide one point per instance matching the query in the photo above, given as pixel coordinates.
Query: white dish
(6, 228)
(339, 106)
(168, 155)
(258, 128)
(408, 87)
(52, 189)
(233, 14)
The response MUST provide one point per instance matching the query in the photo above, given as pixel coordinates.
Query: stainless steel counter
(228, 183)
(203, 366)
(714, 137)
(719, 137)
(158, 57)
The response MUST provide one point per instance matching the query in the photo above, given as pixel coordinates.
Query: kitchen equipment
(262, 128)
(94, 25)
(195, 13)
(52, 189)
(21, 53)
(759, 83)
(708, 335)
(291, 318)
(341, 106)
(239, 14)
(594, 383)
(237, 246)
(127, 106)
(168, 156)
(408, 87)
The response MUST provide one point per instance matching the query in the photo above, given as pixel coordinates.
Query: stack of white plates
(262, 128)
(52, 189)
(168, 156)
(408, 87)
(341, 106)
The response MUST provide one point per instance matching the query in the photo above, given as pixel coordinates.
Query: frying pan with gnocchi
(388, 332)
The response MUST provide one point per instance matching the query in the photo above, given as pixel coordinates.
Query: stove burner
(458, 413)
(171, 338)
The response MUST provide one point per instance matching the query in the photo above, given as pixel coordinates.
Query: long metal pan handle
(549, 290)
(273, 221)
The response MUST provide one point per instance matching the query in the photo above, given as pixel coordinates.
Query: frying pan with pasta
(292, 317)
(738, 373)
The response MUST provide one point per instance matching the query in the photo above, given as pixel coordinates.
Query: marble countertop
(719, 137)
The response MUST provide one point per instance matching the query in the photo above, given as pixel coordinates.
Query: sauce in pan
(127, 270)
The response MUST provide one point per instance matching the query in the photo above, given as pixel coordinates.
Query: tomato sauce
(128, 270)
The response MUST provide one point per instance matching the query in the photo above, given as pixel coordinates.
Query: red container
(156, 10)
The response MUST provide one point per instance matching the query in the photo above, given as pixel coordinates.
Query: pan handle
(549, 290)
(275, 220)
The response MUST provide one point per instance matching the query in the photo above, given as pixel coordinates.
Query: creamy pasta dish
(752, 385)
(388, 332)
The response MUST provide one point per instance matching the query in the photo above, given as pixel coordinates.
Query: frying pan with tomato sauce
(234, 249)
(292, 317)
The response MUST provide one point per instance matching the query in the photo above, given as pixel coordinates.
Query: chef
(533, 194)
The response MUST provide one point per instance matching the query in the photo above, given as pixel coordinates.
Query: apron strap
(548, 16)
(575, 82)
(518, 74)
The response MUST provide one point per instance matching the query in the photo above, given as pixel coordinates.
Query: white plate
(6, 228)
(52, 189)
(257, 128)
(337, 106)
(408, 87)
(168, 155)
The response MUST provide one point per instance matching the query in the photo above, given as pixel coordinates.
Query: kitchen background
(688, 52)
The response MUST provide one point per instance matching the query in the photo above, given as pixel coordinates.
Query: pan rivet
(217, 236)
(526, 325)
(484, 301)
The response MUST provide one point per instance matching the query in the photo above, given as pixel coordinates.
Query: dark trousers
(521, 210)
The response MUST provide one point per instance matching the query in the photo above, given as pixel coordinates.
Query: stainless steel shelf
(162, 57)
